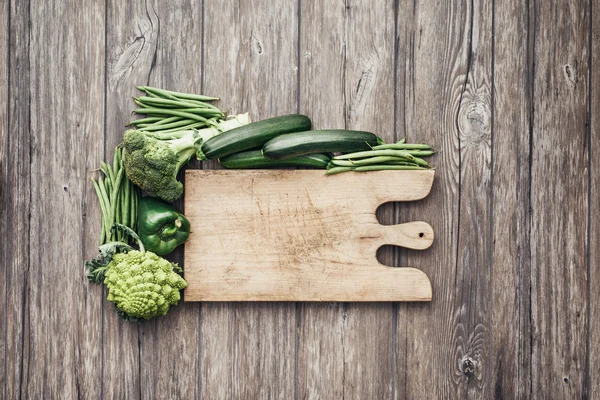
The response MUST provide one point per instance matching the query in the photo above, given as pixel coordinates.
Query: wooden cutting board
(298, 235)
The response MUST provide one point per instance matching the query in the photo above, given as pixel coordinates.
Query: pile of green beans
(169, 111)
(394, 156)
(118, 198)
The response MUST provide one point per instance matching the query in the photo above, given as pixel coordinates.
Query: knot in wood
(570, 73)
(474, 121)
(256, 44)
(468, 367)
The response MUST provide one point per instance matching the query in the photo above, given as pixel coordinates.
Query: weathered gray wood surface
(508, 91)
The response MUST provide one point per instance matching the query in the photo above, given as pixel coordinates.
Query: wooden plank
(16, 198)
(511, 263)
(559, 200)
(593, 349)
(174, 62)
(254, 70)
(300, 236)
(131, 44)
(449, 76)
(402, 311)
(64, 337)
(4, 185)
(347, 80)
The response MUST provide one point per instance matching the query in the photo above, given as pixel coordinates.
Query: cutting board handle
(416, 235)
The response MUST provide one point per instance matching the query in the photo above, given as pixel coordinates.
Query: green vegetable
(97, 268)
(255, 159)
(141, 284)
(253, 135)
(372, 153)
(337, 170)
(174, 95)
(310, 142)
(153, 159)
(402, 146)
(117, 196)
(160, 226)
(167, 109)
(387, 167)
(153, 163)
(395, 156)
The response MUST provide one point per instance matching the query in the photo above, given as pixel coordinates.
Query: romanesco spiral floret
(143, 285)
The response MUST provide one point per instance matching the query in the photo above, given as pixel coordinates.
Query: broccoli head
(142, 285)
(153, 161)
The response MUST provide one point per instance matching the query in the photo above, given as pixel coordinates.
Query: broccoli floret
(153, 161)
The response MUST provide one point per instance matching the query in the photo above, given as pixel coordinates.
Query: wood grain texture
(558, 233)
(4, 179)
(15, 158)
(173, 68)
(355, 67)
(300, 236)
(438, 66)
(254, 69)
(64, 337)
(533, 334)
(511, 263)
(593, 347)
(472, 308)
(131, 44)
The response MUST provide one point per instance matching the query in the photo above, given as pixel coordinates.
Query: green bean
(108, 185)
(164, 127)
(117, 218)
(368, 161)
(108, 171)
(165, 111)
(133, 207)
(106, 208)
(420, 161)
(103, 209)
(341, 163)
(203, 111)
(402, 162)
(337, 170)
(164, 120)
(187, 96)
(146, 121)
(422, 153)
(402, 146)
(373, 153)
(113, 195)
(183, 128)
(403, 140)
(168, 102)
(117, 160)
(142, 121)
(157, 92)
(125, 193)
(387, 167)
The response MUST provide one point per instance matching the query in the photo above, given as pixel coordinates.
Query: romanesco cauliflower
(143, 285)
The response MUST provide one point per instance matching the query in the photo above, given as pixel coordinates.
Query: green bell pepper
(160, 226)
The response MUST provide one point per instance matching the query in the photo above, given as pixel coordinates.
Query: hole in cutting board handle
(421, 234)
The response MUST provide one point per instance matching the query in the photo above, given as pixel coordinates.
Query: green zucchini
(255, 159)
(332, 140)
(253, 135)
